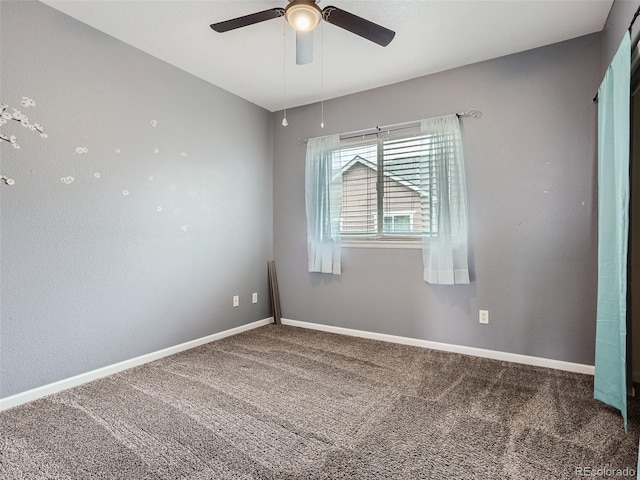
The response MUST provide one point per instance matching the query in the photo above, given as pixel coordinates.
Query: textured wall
(531, 178)
(159, 228)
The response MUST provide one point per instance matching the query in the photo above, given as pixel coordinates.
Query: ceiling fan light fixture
(303, 16)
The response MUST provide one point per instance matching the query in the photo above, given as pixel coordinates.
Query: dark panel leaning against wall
(131, 226)
(531, 182)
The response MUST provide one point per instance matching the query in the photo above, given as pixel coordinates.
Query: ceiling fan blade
(358, 25)
(304, 48)
(247, 20)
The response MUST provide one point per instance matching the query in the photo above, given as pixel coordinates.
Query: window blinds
(387, 192)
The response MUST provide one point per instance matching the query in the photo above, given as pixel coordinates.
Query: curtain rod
(633, 20)
(635, 42)
(474, 113)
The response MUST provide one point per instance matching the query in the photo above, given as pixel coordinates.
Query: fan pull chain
(284, 73)
(322, 75)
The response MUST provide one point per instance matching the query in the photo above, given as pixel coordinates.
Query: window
(408, 185)
(398, 222)
(381, 179)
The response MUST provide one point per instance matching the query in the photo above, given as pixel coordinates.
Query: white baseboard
(476, 352)
(39, 392)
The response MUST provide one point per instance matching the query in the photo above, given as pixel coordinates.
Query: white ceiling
(431, 36)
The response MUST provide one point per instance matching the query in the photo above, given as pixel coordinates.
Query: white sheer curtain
(323, 192)
(444, 202)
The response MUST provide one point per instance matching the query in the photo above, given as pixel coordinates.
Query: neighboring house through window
(381, 180)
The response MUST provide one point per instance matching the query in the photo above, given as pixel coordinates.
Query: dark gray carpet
(287, 403)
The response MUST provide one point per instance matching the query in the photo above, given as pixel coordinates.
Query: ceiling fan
(304, 16)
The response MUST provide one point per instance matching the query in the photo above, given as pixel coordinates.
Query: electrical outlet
(236, 301)
(254, 297)
(483, 317)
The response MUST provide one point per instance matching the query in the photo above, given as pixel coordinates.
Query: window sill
(406, 244)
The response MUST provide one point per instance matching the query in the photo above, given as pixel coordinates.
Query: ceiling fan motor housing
(303, 15)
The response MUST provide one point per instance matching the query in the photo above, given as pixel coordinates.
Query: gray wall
(89, 276)
(531, 179)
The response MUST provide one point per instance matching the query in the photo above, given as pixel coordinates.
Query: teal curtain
(610, 383)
